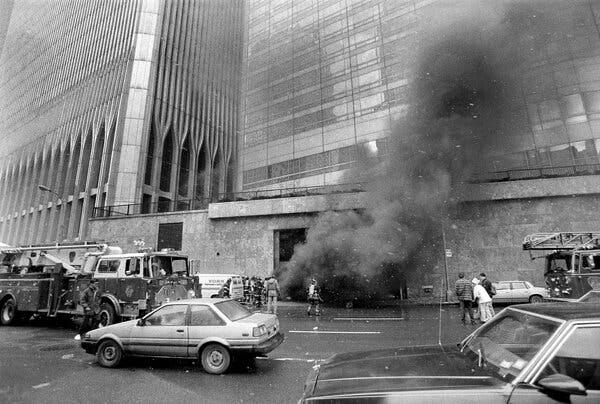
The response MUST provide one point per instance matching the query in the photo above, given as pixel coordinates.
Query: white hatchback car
(209, 330)
(518, 292)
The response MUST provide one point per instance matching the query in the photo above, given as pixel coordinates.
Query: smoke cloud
(461, 98)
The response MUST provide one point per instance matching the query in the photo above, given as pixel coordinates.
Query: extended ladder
(561, 241)
(54, 246)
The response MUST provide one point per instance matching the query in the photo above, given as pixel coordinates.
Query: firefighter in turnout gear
(90, 300)
(258, 292)
(272, 291)
(224, 292)
(247, 290)
(314, 297)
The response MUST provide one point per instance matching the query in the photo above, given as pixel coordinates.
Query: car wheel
(8, 312)
(215, 359)
(536, 299)
(107, 315)
(109, 354)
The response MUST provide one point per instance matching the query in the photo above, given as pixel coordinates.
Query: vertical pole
(445, 260)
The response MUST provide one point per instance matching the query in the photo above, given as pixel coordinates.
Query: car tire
(536, 299)
(109, 354)
(8, 312)
(107, 315)
(215, 359)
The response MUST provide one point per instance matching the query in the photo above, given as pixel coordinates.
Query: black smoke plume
(460, 105)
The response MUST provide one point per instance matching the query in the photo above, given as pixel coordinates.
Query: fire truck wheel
(109, 354)
(8, 312)
(107, 315)
(215, 359)
(536, 299)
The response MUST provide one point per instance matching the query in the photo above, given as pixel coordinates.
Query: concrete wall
(221, 240)
(485, 233)
(488, 236)
(234, 245)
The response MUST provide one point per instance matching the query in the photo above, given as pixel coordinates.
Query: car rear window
(233, 310)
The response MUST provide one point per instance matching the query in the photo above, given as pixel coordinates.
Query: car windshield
(162, 266)
(233, 310)
(509, 342)
(593, 296)
(180, 266)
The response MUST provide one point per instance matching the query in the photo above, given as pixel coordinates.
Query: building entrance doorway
(285, 241)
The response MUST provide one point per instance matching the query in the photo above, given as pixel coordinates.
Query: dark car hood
(423, 368)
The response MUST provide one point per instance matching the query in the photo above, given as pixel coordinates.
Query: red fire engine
(572, 268)
(48, 279)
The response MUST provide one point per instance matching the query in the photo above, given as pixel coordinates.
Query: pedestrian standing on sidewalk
(464, 293)
(90, 300)
(272, 290)
(490, 289)
(484, 301)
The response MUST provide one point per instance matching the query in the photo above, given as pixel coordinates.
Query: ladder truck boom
(562, 241)
(572, 262)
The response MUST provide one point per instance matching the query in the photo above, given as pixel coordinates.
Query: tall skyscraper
(114, 102)
(326, 79)
(125, 108)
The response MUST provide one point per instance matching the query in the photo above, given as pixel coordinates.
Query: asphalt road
(41, 363)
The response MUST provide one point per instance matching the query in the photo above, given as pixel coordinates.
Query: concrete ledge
(536, 188)
(285, 206)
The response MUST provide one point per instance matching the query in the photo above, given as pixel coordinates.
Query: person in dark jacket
(258, 292)
(487, 284)
(224, 292)
(90, 300)
(247, 289)
(464, 294)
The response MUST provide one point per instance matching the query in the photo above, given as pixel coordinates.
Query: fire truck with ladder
(572, 264)
(47, 280)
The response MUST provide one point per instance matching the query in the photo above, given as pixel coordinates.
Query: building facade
(110, 103)
(325, 79)
(184, 103)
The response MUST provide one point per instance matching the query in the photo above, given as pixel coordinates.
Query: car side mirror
(141, 322)
(559, 383)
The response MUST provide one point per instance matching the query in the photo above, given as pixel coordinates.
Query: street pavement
(41, 363)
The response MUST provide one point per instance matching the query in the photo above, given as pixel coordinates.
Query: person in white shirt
(484, 301)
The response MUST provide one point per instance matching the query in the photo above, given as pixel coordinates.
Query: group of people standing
(475, 298)
(257, 291)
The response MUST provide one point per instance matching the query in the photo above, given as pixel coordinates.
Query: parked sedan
(538, 353)
(211, 330)
(518, 292)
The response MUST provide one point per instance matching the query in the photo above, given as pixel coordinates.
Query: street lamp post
(46, 189)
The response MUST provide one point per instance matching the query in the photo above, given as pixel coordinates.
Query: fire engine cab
(48, 280)
(572, 264)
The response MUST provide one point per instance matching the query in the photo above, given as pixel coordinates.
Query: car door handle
(179, 330)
